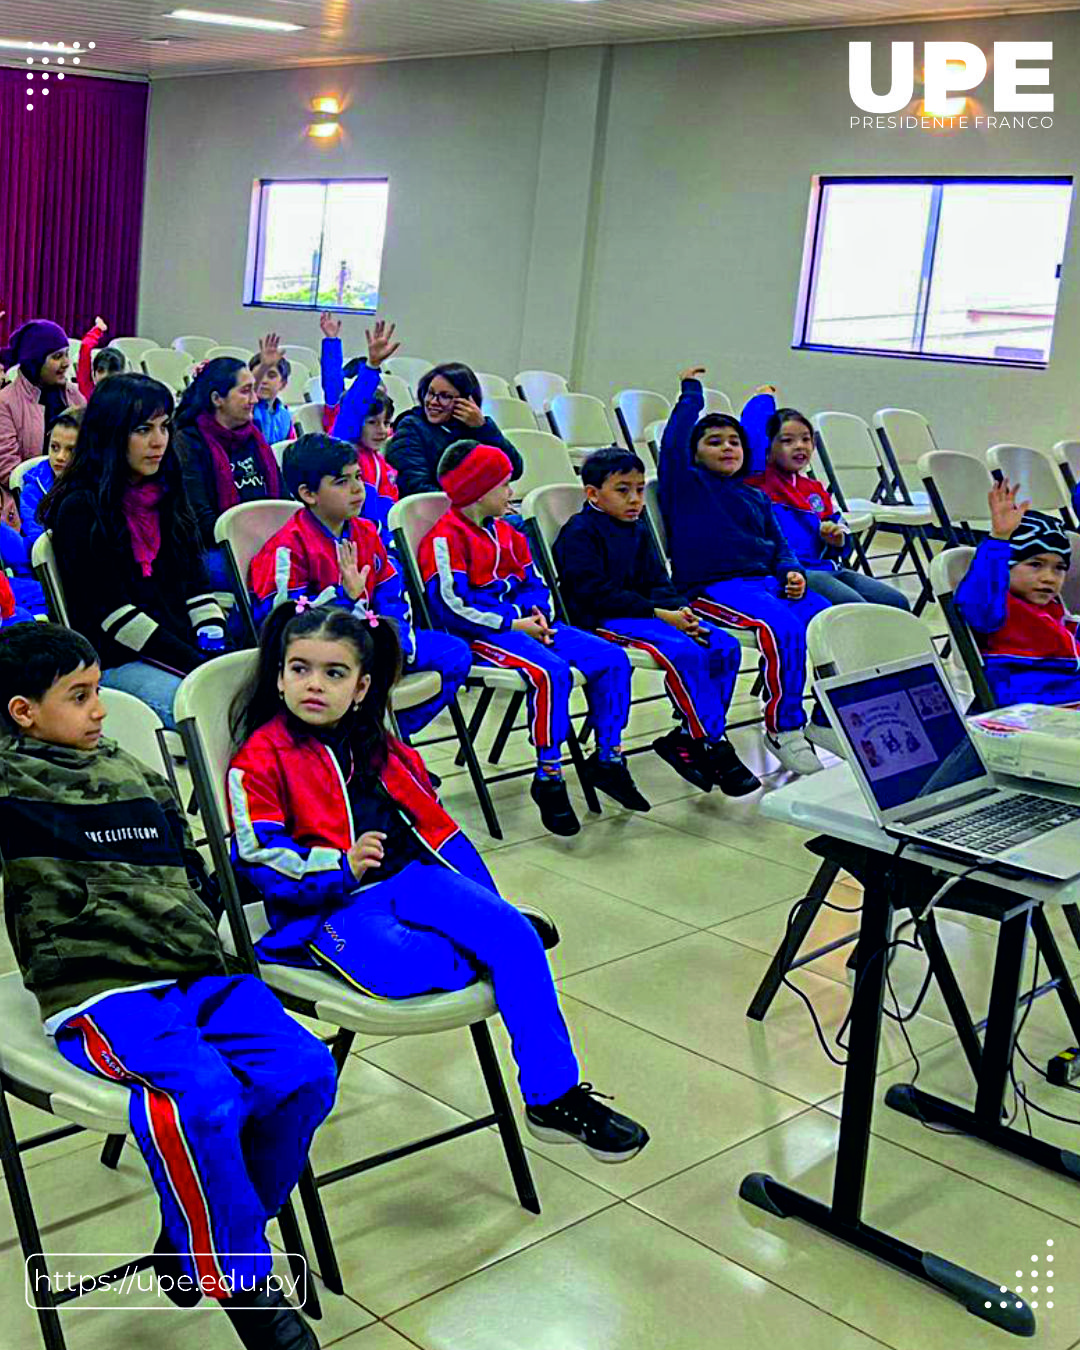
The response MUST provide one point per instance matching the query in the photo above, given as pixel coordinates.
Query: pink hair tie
(302, 603)
(373, 619)
(198, 368)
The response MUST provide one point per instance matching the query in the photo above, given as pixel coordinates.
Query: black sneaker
(685, 756)
(552, 798)
(729, 773)
(266, 1320)
(577, 1117)
(613, 777)
(544, 925)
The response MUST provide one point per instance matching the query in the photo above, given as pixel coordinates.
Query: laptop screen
(908, 737)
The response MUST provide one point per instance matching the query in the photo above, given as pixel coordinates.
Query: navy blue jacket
(609, 569)
(718, 528)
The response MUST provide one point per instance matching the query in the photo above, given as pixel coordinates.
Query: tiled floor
(667, 925)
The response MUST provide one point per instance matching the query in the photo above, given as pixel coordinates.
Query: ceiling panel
(130, 35)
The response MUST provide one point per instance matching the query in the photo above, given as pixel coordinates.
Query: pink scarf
(141, 505)
(226, 446)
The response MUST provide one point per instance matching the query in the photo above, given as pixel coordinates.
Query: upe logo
(951, 68)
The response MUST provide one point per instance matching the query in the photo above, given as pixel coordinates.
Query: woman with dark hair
(134, 579)
(33, 400)
(226, 458)
(448, 410)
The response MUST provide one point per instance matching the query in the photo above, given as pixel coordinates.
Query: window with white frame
(317, 244)
(948, 269)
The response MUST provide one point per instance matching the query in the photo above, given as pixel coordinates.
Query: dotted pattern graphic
(56, 54)
(1044, 1288)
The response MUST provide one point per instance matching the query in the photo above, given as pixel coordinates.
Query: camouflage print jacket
(103, 886)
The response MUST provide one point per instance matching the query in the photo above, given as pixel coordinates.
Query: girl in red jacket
(359, 869)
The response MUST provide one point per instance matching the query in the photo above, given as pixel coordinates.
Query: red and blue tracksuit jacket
(293, 826)
(480, 578)
(344, 416)
(302, 559)
(1031, 651)
(10, 612)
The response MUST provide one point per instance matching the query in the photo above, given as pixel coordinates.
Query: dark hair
(282, 364)
(608, 460)
(312, 457)
(33, 656)
(109, 361)
(782, 415)
(216, 377)
(381, 402)
(453, 455)
(461, 376)
(379, 653)
(100, 464)
(721, 420)
(70, 417)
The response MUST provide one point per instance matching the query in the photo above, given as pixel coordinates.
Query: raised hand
(1006, 512)
(692, 373)
(468, 412)
(380, 343)
(353, 578)
(99, 322)
(331, 327)
(366, 853)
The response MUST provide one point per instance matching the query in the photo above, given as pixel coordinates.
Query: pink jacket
(22, 422)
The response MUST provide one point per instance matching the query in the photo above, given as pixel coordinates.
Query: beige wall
(616, 214)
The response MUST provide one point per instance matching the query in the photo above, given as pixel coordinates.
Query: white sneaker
(794, 752)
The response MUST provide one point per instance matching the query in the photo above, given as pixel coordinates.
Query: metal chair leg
(111, 1150)
(587, 789)
(475, 772)
(476, 722)
(322, 1244)
(500, 1104)
(297, 1258)
(498, 745)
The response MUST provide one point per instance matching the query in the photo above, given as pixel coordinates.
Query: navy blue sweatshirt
(609, 569)
(718, 528)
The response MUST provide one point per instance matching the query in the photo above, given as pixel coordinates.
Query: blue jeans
(157, 688)
(846, 587)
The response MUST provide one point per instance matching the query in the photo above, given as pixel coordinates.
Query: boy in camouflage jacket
(112, 918)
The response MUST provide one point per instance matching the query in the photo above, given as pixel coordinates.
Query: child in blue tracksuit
(613, 583)
(481, 582)
(359, 870)
(271, 369)
(328, 554)
(1011, 599)
(730, 556)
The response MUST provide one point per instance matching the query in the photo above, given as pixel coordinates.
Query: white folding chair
(19, 472)
(654, 435)
(309, 417)
(173, 368)
(203, 704)
(582, 422)
(539, 387)
(313, 390)
(237, 353)
(195, 347)
(493, 386)
(399, 393)
(411, 369)
(240, 532)
(510, 414)
(1038, 474)
(947, 571)
(43, 561)
(546, 459)
(1067, 454)
(959, 485)
(279, 448)
(635, 411)
(716, 401)
(133, 349)
(305, 356)
(903, 437)
(300, 377)
(74, 351)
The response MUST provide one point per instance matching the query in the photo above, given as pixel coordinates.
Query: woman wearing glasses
(449, 410)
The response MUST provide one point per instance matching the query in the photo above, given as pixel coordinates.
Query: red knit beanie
(482, 469)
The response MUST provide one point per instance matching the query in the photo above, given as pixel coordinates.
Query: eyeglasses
(432, 397)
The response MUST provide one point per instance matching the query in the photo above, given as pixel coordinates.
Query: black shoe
(544, 925)
(613, 777)
(577, 1117)
(266, 1320)
(685, 756)
(729, 773)
(552, 798)
(177, 1286)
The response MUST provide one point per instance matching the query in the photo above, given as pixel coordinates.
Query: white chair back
(134, 726)
(196, 347)
(493, 386)
(21, 469)
(550, 507)
(949, 568)
(300, 377)
(654, 435)
(656, 516)
(205, 697)
(417, 516)
(908, 434)
(237, 353)
(133, 348)
(546, 459)
(582, 421)
(43, 560)
(1068, 452)
(1037, 473)
(963, 483)
(279, 448)
(74, 349)
(636, 410)
(399, 393)
(305, 356)
(510, 414)
(716, 401)
(539, 387)
(852, 451)
(173, 368)
(411, 369)
(849, 638)
(313, 390)
(245, 528)
(309, 417)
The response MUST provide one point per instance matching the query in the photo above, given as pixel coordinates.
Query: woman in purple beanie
(33, 400)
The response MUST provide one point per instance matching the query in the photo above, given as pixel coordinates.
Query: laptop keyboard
(996, 828)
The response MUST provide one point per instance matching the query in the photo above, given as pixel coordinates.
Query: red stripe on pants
(539, 679)
(766, 640)
(673, 681)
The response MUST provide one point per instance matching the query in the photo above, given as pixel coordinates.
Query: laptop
(922, 777)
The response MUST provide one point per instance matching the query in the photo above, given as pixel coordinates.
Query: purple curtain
(71, 200)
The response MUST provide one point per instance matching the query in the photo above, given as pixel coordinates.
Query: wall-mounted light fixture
(327, 122)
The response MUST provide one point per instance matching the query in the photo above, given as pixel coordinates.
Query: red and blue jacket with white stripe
(293, 827)
(1031, 651)
(480, 578)
(302, 559)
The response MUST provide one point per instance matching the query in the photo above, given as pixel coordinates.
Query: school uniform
(274, 420)
(113, 921)
(429, 918)
(613, 582)
(302, 559)
(480, 578)
(380, 479)
(1031, 652)
(16, 569)
(730, 556)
